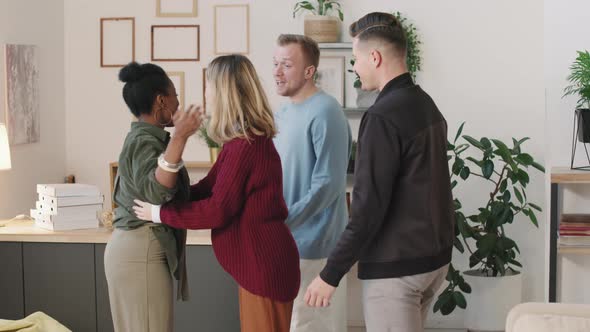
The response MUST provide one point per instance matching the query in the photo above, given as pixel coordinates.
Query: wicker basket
(322, 29)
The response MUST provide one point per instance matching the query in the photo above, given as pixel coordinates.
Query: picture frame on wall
(175, 43)
(176, 8)
(117, 41)
(204, 88)
(231, 29)
(23, 120)
(330, 76)
(177, 78)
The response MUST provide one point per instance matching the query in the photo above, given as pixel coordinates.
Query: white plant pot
(490, 300)
(365, 99)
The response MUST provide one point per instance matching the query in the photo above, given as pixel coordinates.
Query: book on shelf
(581, 241)
(575, 233)
(577, 218)
(68, 189)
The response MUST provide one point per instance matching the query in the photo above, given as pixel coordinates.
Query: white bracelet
(166, 166)
(171, 165)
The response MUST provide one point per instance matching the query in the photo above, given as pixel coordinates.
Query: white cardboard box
(68, 189)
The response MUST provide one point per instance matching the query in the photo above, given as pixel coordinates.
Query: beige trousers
(328, 319)
(139, 281)
(400, 304)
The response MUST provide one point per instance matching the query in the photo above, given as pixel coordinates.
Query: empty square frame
(176, 8)
(117, 41)
(232, 29)
(175, 42)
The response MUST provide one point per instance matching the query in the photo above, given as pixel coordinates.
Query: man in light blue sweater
(314, 142)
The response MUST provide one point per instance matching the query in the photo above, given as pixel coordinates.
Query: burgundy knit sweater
(241, 200)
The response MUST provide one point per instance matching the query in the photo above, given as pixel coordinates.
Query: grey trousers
(140, 284)
(400, 304)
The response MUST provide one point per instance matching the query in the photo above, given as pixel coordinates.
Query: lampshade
(4, 149)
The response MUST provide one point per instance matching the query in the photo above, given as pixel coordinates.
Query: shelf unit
(335, 46)
(559, 177)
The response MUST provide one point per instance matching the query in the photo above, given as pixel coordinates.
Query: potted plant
(321, 26)
(413, 61)
(579, 79)
(214, 147)
(494, 285)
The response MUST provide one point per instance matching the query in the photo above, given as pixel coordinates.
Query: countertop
(26, 231)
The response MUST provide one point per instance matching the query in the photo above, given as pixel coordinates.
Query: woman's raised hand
(186, 123)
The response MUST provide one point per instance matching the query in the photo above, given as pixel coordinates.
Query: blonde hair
(241, 106)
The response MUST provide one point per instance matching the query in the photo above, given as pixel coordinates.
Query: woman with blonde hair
(241, 199)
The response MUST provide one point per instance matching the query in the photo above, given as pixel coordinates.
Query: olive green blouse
(136, 179)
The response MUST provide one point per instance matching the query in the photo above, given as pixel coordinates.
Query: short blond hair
(241, 105)
(309, 47)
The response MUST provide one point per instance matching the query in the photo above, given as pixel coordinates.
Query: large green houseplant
(483, 232)
(321, 25)
(579, 79)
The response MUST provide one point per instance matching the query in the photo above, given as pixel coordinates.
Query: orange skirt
(261, 314)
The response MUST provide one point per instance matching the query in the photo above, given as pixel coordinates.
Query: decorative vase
(213, 153)
(322, 29)
(492, 296)
(365, 98)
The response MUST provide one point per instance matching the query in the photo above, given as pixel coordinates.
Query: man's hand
(319, 293)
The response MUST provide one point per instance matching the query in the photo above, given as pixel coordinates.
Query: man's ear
(309, 72)
(376, 58)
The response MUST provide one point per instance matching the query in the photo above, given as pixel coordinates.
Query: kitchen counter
(26, 231)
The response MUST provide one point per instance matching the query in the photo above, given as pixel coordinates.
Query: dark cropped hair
(311, 50)
(143, 83)
(383, 27)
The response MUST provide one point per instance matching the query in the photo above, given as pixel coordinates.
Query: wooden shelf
(354, 111)
(335, 46)
(567, 175)
(573, 250)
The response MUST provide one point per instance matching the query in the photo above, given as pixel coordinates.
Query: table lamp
(4, 149)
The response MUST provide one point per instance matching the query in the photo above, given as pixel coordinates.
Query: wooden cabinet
(11, 280)
(214, 295)
(67, 282)
(59, 280)
(104, 321)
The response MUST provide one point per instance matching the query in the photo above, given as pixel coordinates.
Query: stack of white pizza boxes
(67, 206)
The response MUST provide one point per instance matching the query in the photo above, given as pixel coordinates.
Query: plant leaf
(487, 169)
(459, 131)
(460, 300)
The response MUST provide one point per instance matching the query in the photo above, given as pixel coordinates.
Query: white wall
(566, 31)
(38, 23)
(482, 64)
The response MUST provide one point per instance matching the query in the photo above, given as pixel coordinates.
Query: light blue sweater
(314, 142)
